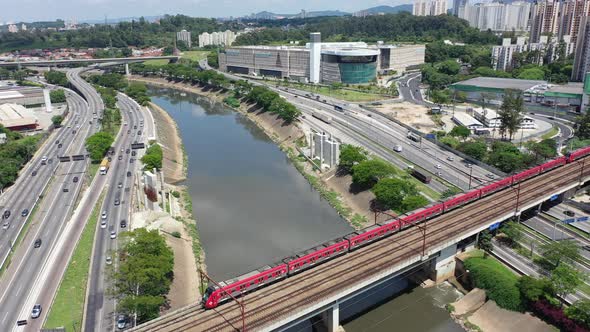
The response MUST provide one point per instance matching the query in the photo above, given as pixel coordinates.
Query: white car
(438, 166)
(104, 215)
(36, 311)
(113, 235)
(6, 225)
(109, 260)
(450, 158)
(103, 224)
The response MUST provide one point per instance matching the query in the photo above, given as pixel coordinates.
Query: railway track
(282, 298)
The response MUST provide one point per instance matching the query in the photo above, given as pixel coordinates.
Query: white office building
(184, 36)
(490, 119)
(429, 7)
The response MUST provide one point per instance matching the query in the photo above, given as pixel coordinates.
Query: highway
(326, 281)
(100, 310)
(52, 215)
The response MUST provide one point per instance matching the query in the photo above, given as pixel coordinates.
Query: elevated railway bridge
(321, 289)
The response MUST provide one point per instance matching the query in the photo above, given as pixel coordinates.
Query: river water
(251, 205)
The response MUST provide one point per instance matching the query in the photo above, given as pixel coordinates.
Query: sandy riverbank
(283, 135)
(169, 138)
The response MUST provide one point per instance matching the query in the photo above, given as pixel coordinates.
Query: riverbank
(285, 136)
(169, 138)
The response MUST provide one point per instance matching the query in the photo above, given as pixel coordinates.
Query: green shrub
(499, 283)
(176, 234)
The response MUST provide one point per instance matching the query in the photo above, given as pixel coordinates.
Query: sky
(41, 10)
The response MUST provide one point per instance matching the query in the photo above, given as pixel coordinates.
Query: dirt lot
(169, 138)
(491, 318)
(413, 115)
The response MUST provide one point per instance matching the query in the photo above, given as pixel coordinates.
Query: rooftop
(501, 83)
(13, 115)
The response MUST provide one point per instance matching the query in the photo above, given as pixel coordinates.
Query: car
(468, 165)
(569, 213)
(139, 132)
(5, 225)
(490, 175)
(121, 321)
(75, 179)
(117, 201)
(104, 215)
(113, 234)
(59, 146)
(133, 153)
(125, 124)
(128, 174)
(129, 131)
(120, 157)
(123, 223)
(109, 260)
(6, 214)
(438, 173)
(127, 151)
(36, 311)
(135, 127)
(73, 132)
(44, 160)
(90, 122)
(34, 173)
(25, 213)
(120, 185)
(110, 159)
(103, 224)
(438, 166)
(450, 158)
(38, 243)
(57, 142)
(131, 160)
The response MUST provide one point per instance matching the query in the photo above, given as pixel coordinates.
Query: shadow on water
(251, 205)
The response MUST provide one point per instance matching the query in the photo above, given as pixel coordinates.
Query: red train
(215, 295)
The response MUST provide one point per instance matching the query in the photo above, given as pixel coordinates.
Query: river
(251, 205)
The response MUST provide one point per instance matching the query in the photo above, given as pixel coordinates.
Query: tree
(98, 145)
(533, 289)
(57, 96)
(449, 67)
(460, 131)
(153, 157)
(367, 173)
(484, 242)
(412, 202)
(475, 149)
(511, 112)
(580, 312)
(532, 74)
(561, 251)
(147, 307)
(583, 123)
(392, 193)
(513, 231)
(57, 120)
(56, 77)
(351, 155)
(213, 59)
(565, 280)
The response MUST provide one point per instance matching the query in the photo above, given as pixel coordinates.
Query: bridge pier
(127, 71)
(331, 318)
(443, 267)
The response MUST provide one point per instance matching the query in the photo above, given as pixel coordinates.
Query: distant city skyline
(92, 10)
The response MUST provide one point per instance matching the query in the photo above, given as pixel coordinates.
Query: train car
(574, 155)
(526, 174)
(461, 200)
(215, 295)
(372, 234)
(422, 215)
(498, 185)
(553, 164)
(316, 255)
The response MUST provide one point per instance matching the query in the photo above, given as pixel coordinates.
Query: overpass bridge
(45, 63)
(321, 289)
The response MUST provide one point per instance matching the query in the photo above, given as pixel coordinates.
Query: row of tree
(144, 274)
(153, 157)
(392, 191)
(15, 153)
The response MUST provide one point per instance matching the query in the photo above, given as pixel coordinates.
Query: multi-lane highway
(66, 181)
(100, 311)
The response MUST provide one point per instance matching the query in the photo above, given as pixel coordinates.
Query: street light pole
(470, 172)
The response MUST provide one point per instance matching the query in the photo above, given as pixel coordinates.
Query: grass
(195, 55)
(158, 62)
(68, 306)
(494, 265)
(550, 133)
(345, 94)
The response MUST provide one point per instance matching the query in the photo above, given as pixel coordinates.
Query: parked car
(36, 311)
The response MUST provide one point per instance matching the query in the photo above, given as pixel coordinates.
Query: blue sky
(36, 10)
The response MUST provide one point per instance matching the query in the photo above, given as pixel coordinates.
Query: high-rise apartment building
(557, 18)
(549, 49)
(219, 38)
(582, 54)
(497, 16)
(184, 36)
(458, 4)
(12, 28)
(429, 7)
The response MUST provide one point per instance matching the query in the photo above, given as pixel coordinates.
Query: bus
(104, 166)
